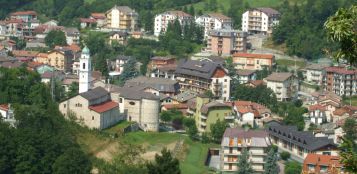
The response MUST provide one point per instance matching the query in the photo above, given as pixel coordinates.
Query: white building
(6, 112)
(233, 143)
(162, 20)
(85, 70)
(72, 35)
(244, 76)
(284, 85)
(214, 21)
(317, 114)
(315, 73)
(260, 20)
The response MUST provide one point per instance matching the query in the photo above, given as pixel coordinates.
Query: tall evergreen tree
(244, 166)
(270, 166)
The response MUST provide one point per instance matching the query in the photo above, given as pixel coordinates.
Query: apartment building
(299, 143)
(251, 61)
(206, 112)
(214, 21)
(122, 18)
(320, 164)
(315, 73)
(164, 19)
(284, 85)
(201, 76)
(341, 81)
(317, 114)
(260, 20)
(224, 42)
(233, 143)
(251, 113)
(28, 20)
(61, 59)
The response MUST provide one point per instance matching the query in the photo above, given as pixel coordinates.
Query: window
(120, 100)
(231, 150)
(64, 105)
(132, 103)
(84, 65)
(225, 80)
(92, 117)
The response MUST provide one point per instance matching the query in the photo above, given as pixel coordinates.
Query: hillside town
(254, 109)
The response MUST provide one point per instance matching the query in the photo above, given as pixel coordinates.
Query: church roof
(85, 50)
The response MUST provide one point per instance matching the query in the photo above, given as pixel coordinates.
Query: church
(93, 108)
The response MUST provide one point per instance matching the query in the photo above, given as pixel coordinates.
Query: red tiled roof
(249, 55)
(325, 160)
(248, 106)
(87, 20)
(4, 107)
(19, 13)
(98, 15)
(103, 107)
(256, 82)
(340, 70)
(317, 107)
(33, 64)
(23, 53)
(11, 21)
(42, 55)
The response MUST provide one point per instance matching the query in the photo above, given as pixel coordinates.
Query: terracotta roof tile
(20, 13)
(340, 70)
(4, 107)
(317, 107)
(103, 107)
(325, 160)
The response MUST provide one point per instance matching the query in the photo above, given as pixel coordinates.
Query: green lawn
(118, 128)
(353, 101)
(290, 63)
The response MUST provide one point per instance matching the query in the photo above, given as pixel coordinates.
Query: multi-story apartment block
(260, 20)
(284, 85)
(226, 42)
(315, 73)
(253, 61)
(317, 114)
(201, 76)
(122, 18)
(233, 143)
(164, 19)
(299, 143)
(207, 112)
(341, 81)
(214, 21)
(29, 21)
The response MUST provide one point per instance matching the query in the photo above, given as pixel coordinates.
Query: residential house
(255, 83)
(320, 164)
(139, 106)
(24, 15)
(165, 71)
(251, 113)
(51, 23)
(201, 76)
(3, 29)
(61, 59)
(47, 76)
(225, 42)
(244, 76)
(94, 109)
(42, 58)
(122, 18)
(184, 97)
(36, 43)
(214, 21)
(317, 114)
(260, 20)
(6, 112)
(341, 81)
(99, 18)
(117, 66)
(87, 22)
(136, 34)
(14, 27)
(253, 61)
(119, 37)
(207, 112)
(24, 56)
(233, 143)
(315, 73)
(299, 143)
(72, 35)
(29, 21)
(163, 20)
(343, 113)
(284, 85)
(328, 99)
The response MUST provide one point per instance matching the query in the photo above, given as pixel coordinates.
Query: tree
(341, 28)
(192, 131)
(350, 129)
(217, 130)
(72, 161)
(271, 166)
(129, 71)
(292, 167)
(54, 38)
(165, 116)
(244, 166)
(73, 90)
(284, 155)
(164, 163)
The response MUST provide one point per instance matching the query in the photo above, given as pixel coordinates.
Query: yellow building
(61, 59)
(122, 18)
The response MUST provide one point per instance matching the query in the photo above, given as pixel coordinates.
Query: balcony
(230, 117)
(203, 117)
(257, 153)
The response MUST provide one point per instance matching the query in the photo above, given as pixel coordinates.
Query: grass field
(353, 101)
(102, 146)
(290, 63)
